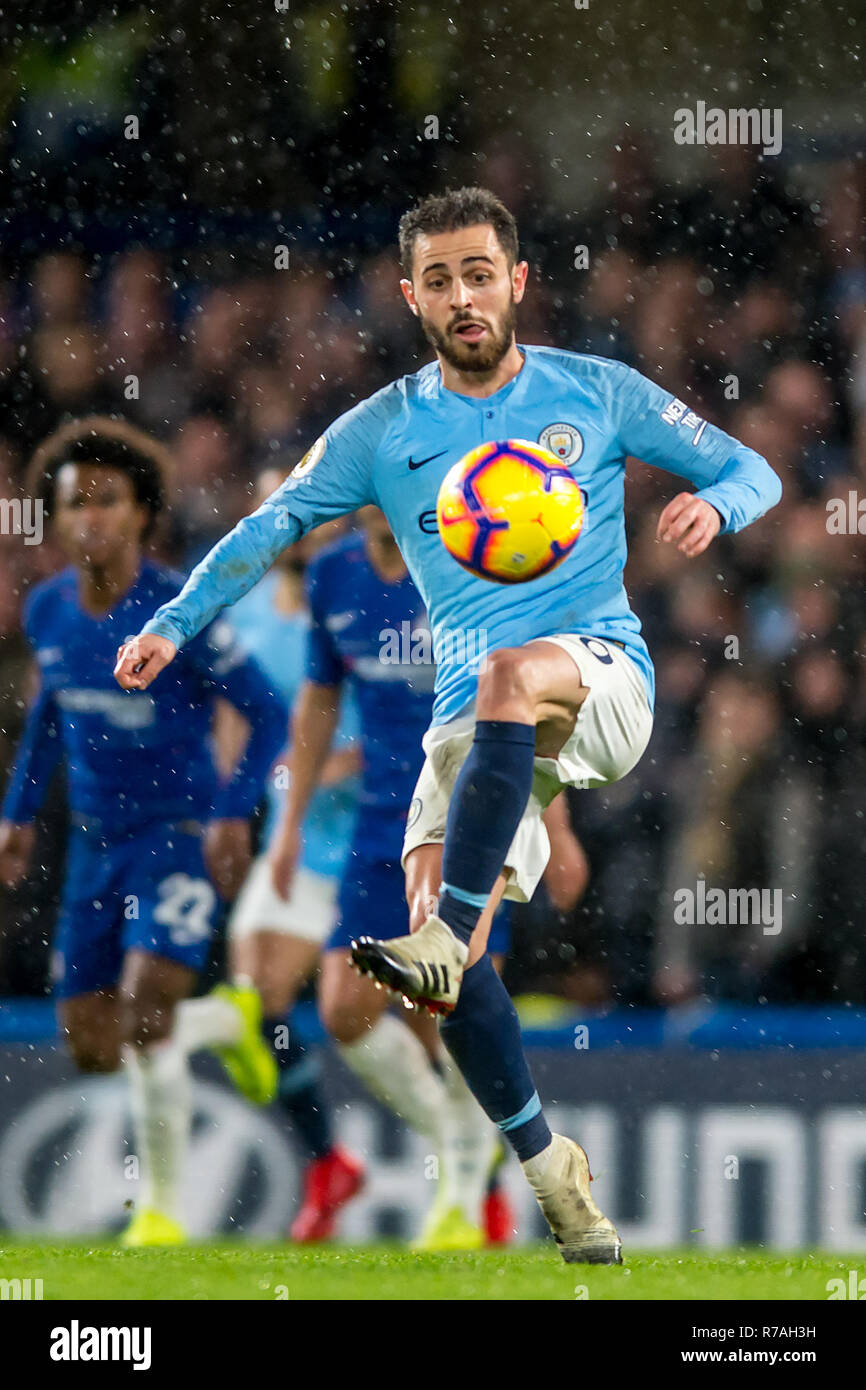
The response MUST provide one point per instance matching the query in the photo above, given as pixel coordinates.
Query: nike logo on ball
(419, 463)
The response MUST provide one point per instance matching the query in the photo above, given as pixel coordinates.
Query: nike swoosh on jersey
(419, 463)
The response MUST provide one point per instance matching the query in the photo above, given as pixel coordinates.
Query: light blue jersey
(279, 641)
(394, 449)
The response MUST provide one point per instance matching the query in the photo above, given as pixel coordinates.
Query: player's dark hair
(110, 443)
(451, 210)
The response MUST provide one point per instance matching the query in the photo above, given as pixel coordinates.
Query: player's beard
(473, 357)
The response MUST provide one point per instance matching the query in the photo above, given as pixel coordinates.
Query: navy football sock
(483, 1037)
(486, 807)
(298, 1089)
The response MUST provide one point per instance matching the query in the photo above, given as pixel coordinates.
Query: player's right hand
(283, 857)
(16, 851)
(141, 659)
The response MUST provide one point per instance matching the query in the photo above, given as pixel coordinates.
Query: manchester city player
(138, 902)
(565, 693)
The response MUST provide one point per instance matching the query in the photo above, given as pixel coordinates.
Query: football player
(564, 694)
(150, 823)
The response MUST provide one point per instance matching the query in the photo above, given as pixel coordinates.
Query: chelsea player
(565, 693)
(369, 640)
(150, 824)
(276, 940)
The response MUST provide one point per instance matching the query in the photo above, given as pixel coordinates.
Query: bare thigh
(90, 1023)
(150, 989)
(278, 965)
(349, 1003)
(538, 683)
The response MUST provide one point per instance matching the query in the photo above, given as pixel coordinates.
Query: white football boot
(426, 967)
(560, 1179)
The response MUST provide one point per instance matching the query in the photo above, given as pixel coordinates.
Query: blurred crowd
(741, 297)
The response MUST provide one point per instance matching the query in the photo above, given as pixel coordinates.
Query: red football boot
(329, 1183)
(497, 1218)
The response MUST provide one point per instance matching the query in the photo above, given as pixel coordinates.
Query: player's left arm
(229, 673)
(332, 479)
(735, 485)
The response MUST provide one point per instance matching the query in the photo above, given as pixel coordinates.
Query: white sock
(394, 1066)
(475, 1140)
(535, 1169)
(206, 1022)
(161, 1106)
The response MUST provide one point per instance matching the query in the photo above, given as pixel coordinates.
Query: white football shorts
(310, 912)
(612, 730)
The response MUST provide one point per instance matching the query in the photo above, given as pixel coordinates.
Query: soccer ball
(509, 511)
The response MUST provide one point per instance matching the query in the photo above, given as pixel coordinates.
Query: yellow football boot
(149, 1227)
(448, 1229)
(249, 1062)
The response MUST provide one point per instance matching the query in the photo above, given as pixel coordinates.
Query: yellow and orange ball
(509, 511)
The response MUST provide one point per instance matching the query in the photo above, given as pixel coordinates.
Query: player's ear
(518, 280)
(409, 295)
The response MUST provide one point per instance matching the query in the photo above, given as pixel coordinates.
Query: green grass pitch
(98, 1270)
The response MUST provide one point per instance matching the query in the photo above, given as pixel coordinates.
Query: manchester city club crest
(565, 442)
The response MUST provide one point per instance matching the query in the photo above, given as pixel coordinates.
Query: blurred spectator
(68, 375)
(728, 803)
(745, 222)
(61, 290)
(213, 485)
(607, 324)
(799, 393)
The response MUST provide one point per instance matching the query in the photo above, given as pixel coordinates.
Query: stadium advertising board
(687, 1147)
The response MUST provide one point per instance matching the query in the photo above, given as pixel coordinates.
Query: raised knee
(506, 674)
